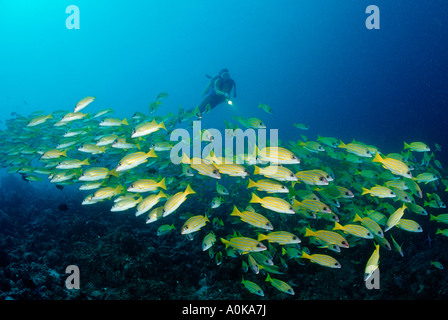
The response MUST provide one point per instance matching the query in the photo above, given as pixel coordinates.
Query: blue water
(312, 61)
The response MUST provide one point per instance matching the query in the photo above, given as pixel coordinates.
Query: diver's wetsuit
(215, 95)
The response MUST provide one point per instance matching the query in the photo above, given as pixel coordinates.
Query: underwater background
(313, 62)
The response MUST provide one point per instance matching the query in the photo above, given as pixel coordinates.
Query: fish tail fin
(308, 232)
(432, 217)
(406, 146)
(255, 199)
(185, 159)
(114, 173)
(365, 191)
(103, 149)
(119, 189)
(152, 153)
(342, 145)
(161, 184)
(50, 116)
(268, 278)
(262, 237)
(256, 170)
(377, 158)
(137, 145)
(235, 211)
(305, 255)
(226, 242)
(338, 226)
(162, 125)
(162, 195)
(357, 218)
(64, 153)
(251, 184)
(125, 122)
(86, 162)
(438, 231)
(283, 251)
(188, 190)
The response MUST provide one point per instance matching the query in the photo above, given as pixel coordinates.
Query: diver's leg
(207, 100)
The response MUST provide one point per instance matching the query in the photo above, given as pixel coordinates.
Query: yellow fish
(149, 202)
(357, 149)
(146, 128)
(273, 203)
(72, 164)
(83, 103)
(280, 237)
(125, 204)
(176, 200)
(379, 191)
(113, 122)
(244, 244)
(425, 177)
(134, 159)
(107, 192)
(395, 166)
(353, 229)
(253, 218)
(312, 177)
(146, 185)
(53, 154)
(277, 155)
(276, 172)
(322, 259)
(38, 120)
(409, 225)
(268, 186)
(194, 224)
(372, 263)
(280, 285)
(395, 218)
(97, 173)
(417, 146)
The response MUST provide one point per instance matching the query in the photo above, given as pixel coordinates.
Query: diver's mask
(225, 75)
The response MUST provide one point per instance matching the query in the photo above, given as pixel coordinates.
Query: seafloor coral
(120, 257)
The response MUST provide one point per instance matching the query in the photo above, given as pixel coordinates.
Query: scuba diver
(217, 91)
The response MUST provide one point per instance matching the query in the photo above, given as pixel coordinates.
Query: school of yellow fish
(326, 194)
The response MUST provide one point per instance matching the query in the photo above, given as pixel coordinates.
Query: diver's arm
(217, 91)
(207, 89)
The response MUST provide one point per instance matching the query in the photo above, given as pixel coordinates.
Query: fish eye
(258, 245)
(409, 172)
(326, 208)
(369, 234)
(294, 238)
(186, 227)
(293, 157)
(321, 178)
(291, 175)
(290, 208)
(346, 193)
(215, 171)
